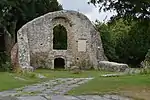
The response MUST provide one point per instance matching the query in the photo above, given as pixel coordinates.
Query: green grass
(137, 86)
(108, 84)
(67, 74)
(7, 80)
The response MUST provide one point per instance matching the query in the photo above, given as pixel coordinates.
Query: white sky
(89, 10)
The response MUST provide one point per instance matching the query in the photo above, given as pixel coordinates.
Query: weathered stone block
(8, 98)
(112, 66)
(133, 71)
(75, 69)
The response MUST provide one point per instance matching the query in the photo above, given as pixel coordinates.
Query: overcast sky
(89, 10)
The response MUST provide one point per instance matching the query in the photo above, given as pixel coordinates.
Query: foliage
(146, 63)
(29, 74)
(16, 13)
(147, 57)
(139, 40)
(124, 41)
(5, 62)
(145, 71)
(126, 8)
(106, 37)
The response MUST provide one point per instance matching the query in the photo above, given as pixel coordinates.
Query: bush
(146, 63)
(145, 71)
(107, 40)
(30, 75)
(124, 41)
(5, 64)
(133, 47)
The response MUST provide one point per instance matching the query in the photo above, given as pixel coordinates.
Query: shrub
(124, 41)
(145, 71)
(5, 64)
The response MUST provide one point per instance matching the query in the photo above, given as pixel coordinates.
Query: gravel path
(54, 90)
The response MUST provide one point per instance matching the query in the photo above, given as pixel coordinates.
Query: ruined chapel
(37, 46)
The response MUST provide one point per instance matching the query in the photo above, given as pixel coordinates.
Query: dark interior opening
(2, 43)
(59, 63)
(60, 37)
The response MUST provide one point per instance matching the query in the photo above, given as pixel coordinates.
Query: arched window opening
(60, 37)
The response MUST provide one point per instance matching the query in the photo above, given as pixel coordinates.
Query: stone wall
(35, 40)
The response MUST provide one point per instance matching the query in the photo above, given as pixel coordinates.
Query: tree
(15, 13)
(124, 41)
(126, 8)
(133, 47)
(107, 40)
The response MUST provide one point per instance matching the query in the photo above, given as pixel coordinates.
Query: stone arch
(67, 24)
(62, 58)
(59, 37)
(59, 63)
(62, 18)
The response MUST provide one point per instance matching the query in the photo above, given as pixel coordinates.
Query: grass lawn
(8, 80)
(136, 86)
(67, 74)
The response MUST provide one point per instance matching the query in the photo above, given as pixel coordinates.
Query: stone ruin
(36, 42)
(36, 45)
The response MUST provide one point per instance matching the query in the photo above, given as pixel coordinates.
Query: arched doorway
(59, 63)
(59, 37)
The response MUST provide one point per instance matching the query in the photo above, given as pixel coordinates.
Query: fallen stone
(59, 97)
(8, 93)
(33, 89)
(113, 75)
(19, 78)
(91, 97)
(116, 97)
(75, 69)
(133, 71)
(32, 98)
(40, 76)
(8, 98)
(112, 66)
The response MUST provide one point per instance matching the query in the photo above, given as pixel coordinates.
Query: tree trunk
(10, 38)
